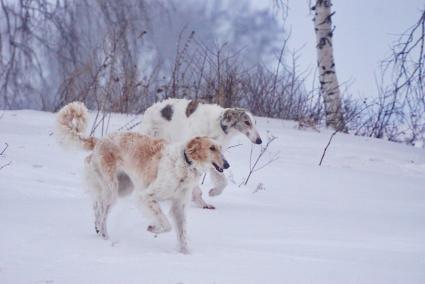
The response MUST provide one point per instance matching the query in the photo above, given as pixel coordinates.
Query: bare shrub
(398, 114)
(97, 51)
(109, 55)
(254, 162)
(220, 76)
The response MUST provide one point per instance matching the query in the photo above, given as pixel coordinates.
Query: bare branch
(327, 145)
(6, 145)
(255, 167)
(3, 151)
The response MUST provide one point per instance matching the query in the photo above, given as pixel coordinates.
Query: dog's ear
(196, 149)
(232, 114)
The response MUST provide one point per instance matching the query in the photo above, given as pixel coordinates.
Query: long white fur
(205, 121)
(174, 181)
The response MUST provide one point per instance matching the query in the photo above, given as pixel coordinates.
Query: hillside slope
(360, 218)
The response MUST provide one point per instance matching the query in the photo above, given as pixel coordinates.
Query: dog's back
(180, 119)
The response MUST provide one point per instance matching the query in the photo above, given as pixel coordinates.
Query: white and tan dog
(179, 119)
(154, 169)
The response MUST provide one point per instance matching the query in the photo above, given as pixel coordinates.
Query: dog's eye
(212, 148)
(248, 123)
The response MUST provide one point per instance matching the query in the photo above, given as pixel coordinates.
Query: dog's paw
(184, 250)
(158, 229)
(153, 229)
(208, 206)
(102, 234)
(215, 191)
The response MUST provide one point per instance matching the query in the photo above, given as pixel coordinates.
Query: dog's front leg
(179, 215)
(219, 181)
(151, 209)
(199, 201)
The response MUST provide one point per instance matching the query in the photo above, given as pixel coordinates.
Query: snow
(359, 218)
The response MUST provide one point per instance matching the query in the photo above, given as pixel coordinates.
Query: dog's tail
(71, 124)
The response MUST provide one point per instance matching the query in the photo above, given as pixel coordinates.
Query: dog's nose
(258, 141)
(226, 165)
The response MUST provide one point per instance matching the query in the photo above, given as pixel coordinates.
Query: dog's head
(206, 152)
(242, 121)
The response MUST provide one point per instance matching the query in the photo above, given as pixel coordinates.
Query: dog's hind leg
(95, 189)
(219, 181)
(179, 216)
(197, 198)
(105, 196)
(107, 176)
(102, 206)
(103, 187)
(101, 211)
(152, 210)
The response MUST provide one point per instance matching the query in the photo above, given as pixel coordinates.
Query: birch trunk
(329, 86)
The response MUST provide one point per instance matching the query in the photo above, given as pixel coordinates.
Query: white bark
(329, 86)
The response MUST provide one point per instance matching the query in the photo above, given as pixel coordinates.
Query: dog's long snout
(254, 136)
(226, 165)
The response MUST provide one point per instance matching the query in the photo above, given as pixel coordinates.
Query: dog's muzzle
(218, 168)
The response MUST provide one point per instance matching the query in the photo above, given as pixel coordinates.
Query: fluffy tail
(71, 124)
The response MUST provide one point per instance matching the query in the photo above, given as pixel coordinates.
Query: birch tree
(329, 86)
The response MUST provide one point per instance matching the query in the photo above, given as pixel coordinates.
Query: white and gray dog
(179, 119)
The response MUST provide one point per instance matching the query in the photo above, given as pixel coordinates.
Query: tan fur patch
(109, 158)
(74, 116)
(145, 151)
(203, 149)
(129, 151)
(197, 149)
(216, 156)
(89, 143)
(71, 123)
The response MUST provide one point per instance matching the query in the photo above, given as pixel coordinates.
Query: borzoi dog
(178, 119)
(155, 169)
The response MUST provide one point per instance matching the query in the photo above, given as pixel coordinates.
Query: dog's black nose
(226, 165)
(258, 141)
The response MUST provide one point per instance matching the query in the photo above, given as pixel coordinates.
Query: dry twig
(254, 166)
(3, 151)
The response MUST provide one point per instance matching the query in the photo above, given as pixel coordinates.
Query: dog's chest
(178, 185)
(186, 182)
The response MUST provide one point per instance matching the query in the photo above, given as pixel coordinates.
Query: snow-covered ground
(360, 218)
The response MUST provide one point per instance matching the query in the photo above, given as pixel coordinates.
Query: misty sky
(364, 32)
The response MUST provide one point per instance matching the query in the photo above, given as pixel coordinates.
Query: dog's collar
(189, 162)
